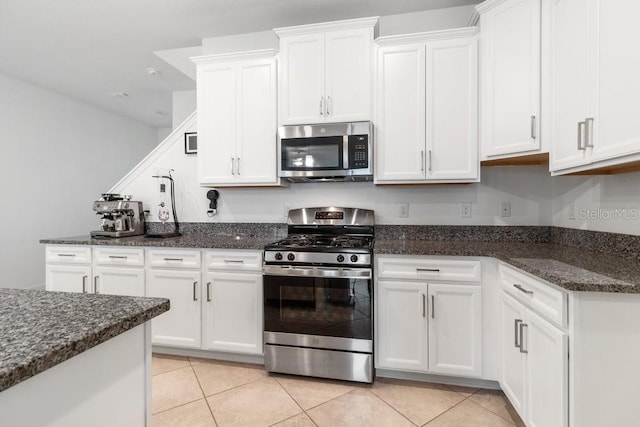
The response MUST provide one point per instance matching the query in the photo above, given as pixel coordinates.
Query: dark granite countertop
(571, 268)
(187, 241)
(40, 329)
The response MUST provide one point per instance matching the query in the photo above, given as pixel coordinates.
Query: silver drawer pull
(433, 306)
(95, 285)
(195, 293)
(208, 291)
(424, 311)
(118, 256)
(174, 259)
(67, 255)
(84, 284)
(236, 261)
(515, 329)
(429, 270)
(522, 349)
(521, 289)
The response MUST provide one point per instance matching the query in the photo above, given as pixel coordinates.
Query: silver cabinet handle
(430, 270)
(521, 289)
(195, 294)
(67, 255)
(328, 103)
(422, 161)
(84, 284)
(117, 256)
(238, 165)
(516, 332)
(580, 126)
(95, 285)
(174, 259)
(321, 109)
(522, 349)
(533, 127)
(433, 306)
(208, 291)
(232, 171)
(424, 308)
(236, 261)
(588, 132)
(430, 161)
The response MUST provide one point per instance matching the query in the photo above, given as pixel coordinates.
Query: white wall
(184, 104)
(601, 203)
(58, 155)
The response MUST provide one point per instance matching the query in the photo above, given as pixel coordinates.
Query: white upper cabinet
(593, 84)
(510, 78)
(325, 73)
(237, 119)
(426, 108)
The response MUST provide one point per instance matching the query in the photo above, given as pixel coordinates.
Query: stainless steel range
(318, 295)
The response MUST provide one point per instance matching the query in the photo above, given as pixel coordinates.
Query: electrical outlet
(505, 212)
(404, 210)
(572, 211)
(465, 210)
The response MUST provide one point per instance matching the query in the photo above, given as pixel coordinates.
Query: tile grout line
(391, 406)
(203, 393)
(444, 412)
(294, 400)
(489, 409)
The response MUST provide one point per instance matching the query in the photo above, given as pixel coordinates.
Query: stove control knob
(354, 258)
(278, 256)
(291, 257)
(340, 258)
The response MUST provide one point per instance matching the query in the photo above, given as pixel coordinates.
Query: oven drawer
(422, 268)
(69, 254)
(172, 258)
(119, 256)
(233, 260)
(543, 298)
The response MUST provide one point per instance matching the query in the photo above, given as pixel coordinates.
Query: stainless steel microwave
(326, 152)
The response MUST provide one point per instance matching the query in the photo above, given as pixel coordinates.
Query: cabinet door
(68, 278)
(455, 329)
(401, 321)
(513, 360)
(510, 78)
(119, 281)
(348, 68)
(180, 326)
(569, 81)
(216, 124)
(256, 115)
(400, 114)
(547, 373)
(452, 109)
(302, 79)
(232, 314)
(615, 82)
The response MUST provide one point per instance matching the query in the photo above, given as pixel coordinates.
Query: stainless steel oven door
(331, 303)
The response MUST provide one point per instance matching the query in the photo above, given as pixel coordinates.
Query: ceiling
(89, 50)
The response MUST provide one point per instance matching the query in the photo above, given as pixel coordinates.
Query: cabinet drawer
(119, 256)
(548, 301)
(234, 260)
(172, 258)
(458, 270)
(68, 254)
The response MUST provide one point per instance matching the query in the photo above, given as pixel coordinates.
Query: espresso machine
(121, 216)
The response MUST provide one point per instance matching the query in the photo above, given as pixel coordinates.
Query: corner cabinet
(426, 106)
(510, 77)
(325, 73)
(429, 315)
(237, 119)
(593, 85)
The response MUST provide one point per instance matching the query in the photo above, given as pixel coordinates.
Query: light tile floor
(190, 392)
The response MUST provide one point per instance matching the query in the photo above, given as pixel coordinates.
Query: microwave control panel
(358, 151)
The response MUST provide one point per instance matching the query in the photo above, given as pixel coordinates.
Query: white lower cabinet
(232, 312)
(68, 278)
(534, 365)
(181, 325)
(428, 327)
(119, 281)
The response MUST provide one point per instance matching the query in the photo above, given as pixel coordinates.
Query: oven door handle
(360, 273)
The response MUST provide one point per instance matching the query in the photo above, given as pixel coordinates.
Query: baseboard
(439, 379)
(208, 354)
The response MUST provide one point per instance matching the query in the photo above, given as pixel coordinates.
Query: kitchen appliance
(318, 295)
(326, 152)
(121, 216)
(163, 211)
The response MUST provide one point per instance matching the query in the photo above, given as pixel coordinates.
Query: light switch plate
(465, 210)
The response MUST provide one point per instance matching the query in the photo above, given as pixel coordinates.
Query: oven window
(312, 153)
(318, 306)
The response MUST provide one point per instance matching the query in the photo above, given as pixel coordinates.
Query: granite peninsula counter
(66, 352)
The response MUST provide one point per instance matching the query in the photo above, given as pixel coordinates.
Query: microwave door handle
(345, 152)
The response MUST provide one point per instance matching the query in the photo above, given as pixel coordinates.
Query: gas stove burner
(299, 240)
(349, 241)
